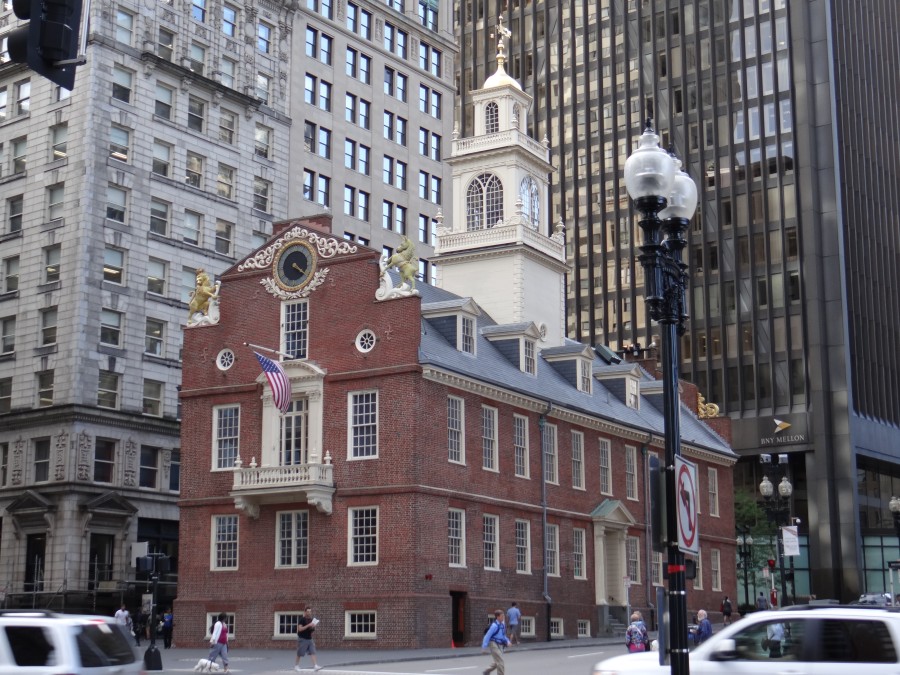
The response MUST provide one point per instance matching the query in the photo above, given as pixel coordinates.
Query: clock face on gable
(294, 266)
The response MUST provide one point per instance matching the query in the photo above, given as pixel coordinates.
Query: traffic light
(771, 564)
(48, 44)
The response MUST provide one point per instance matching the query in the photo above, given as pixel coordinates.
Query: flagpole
(266, 349)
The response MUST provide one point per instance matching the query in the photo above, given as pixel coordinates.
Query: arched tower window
(484, 202)
(531, 202)
(491, 118)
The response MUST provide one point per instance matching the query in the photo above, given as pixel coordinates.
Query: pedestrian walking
(495, 639)
(704, 628)
(513, 614)
(168, 625)
(140, 625)
(218, 642)
(726, 610)
(761, 602)
(305, 644)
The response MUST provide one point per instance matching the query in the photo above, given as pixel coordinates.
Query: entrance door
(35, 550)
(459, 618)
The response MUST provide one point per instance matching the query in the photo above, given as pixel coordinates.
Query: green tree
(749, 514)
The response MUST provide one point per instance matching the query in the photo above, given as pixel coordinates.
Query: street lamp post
(745, 552)
(777, 505)
(666, 197)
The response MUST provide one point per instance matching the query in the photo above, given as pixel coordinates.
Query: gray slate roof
(490, 366)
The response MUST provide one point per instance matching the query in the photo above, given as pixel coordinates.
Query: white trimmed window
(456, 437)
(212, 617)
(698, 580)
(551, 460)
(41, 463)
(584, 628)
(633, 399)
(552, 543)
(362, 423)
(520, 445)
(286, 625)
(632, 559)
(362, 524)
(631, 491)
(224, 555)
(715, 569)
(295, 434)
(467, 335)
(491, 538)
(529, 361)
(605, 467)
(713, 479)
(526, 626)
(456, 537)
(523, 547)
(361, 625)
(226, 432)
(584, 376)
(116, 204)
(557, 628)
(489, 439)
(578, 460)
(656, 568)
(295, 328)
(293, 539)
(579, 558)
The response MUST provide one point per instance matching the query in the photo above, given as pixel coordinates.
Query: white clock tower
(499, 251)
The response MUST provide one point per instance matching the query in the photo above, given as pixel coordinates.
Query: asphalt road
(565, 657)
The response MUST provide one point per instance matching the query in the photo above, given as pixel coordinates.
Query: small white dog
(207, 666)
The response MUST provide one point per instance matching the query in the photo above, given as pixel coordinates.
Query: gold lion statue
(202, 294)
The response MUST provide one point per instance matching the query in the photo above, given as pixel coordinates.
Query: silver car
(45, 643)
(801, 640)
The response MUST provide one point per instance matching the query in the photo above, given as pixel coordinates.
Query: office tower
(777, 111)
(190, 130)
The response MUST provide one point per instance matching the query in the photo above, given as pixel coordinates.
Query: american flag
(278, 381)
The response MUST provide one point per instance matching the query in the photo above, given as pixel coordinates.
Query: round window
(365, 341)
(225, 359)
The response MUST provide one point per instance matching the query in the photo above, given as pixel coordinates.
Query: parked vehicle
(821, 640)
(46, 643)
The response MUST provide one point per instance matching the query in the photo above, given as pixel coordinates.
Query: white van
(36, 641)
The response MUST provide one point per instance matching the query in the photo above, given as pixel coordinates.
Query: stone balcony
(256, 485)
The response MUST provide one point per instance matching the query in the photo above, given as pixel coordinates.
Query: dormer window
(467, 334)
(633, 398)
(491, 118)
(529, 363)
(484, 202)
(584, 376)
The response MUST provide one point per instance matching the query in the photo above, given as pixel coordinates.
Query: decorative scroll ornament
(705, 410)
(327, 247)
(273, 288)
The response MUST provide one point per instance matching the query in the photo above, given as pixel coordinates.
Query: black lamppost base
(152, 658)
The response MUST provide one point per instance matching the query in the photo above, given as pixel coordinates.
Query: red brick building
(437, 460)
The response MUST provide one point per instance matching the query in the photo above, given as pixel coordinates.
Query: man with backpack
(495, 639)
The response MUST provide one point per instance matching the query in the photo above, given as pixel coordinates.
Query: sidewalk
(182, 659)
